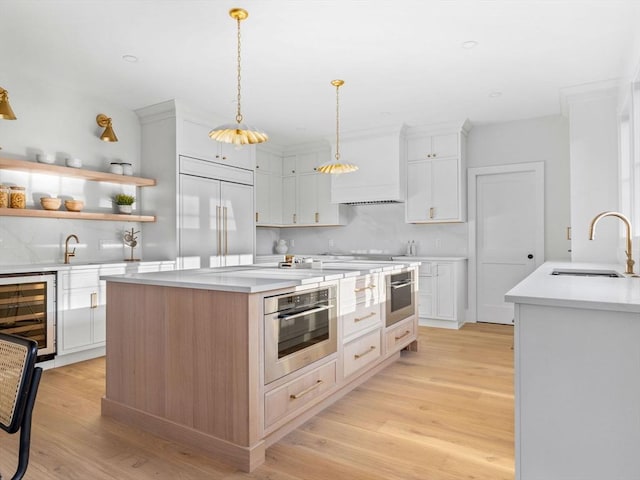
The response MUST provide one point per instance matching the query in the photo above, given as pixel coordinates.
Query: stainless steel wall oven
(401, 296)
(299, 328)
(28, 309)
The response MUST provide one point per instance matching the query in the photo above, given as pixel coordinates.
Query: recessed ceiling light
(469, 44)
(495, 94)
(130, 58)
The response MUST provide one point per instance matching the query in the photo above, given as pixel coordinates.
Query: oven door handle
(284, 316)
(401, 284)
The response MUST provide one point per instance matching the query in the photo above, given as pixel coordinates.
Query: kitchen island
(186, 352)
(577, 368)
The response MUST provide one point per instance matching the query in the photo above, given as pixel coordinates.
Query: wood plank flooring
(443, 413)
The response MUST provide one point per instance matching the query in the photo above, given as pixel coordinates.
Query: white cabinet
(436, 177)
(305, 195)
(442, 293)
(268, 188)
(215, 215)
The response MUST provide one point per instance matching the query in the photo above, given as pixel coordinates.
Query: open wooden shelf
(25, 165)
(28, 212)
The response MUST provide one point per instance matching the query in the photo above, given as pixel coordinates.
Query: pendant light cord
(337, 124)
(238, 114)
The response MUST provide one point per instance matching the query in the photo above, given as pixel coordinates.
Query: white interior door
(509, 233)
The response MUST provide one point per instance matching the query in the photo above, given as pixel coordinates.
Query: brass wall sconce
(105, 122)
(6, 112)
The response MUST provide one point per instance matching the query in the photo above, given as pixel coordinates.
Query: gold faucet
(592, 232)
(67, 253)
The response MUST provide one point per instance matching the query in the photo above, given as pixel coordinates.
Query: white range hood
(380, 156)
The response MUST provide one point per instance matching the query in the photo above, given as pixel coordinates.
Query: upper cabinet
(294, 194)
(436, 175)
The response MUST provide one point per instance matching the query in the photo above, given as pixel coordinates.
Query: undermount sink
(586, 273)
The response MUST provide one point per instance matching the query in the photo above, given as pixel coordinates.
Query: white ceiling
(402, 61)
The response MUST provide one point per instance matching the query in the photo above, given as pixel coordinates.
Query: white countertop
(53, 267)
(596, 293)
(429, 259)
(256, 278)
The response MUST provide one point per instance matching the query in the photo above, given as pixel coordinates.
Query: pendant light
(337, 166)
(238, 133)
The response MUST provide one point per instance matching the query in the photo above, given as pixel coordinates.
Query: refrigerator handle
(226, 232)
(218, 231)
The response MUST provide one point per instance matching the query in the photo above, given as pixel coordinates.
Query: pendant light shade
(238, 133)
(337, 167)
(6, 113)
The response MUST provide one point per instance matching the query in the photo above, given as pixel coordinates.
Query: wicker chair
(19, 379)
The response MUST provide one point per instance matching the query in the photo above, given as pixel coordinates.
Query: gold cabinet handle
(226, 232)
(403, 335)
(359, 319)
(94, 300)
(431, 211)
(317, 217)
(295, 218)
(257, 216)
(295, 396)
(368, 287)
(367, 352)
(568, 233)
(218, 230)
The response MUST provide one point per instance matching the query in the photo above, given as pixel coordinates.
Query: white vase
(282, 247)
(125, 209)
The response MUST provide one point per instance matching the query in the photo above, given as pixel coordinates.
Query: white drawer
(425, 269)
(361, 352)
(400, 335)
(294, 395)
(80, 279)
(364, 290)
(358, 318)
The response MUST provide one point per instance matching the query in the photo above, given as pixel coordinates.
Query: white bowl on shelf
(45, 158)
(74, 162)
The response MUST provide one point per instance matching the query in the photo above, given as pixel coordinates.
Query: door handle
(431, 213)
(530, 256)
(218, 231)
(226, 232)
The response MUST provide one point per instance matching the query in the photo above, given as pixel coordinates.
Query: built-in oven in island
(28, 309)
(401, 296)
(299, 329)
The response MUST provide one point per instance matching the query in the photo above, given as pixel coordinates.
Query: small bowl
(50, 203)
(74, 205)
(74, 162)
(45, 158)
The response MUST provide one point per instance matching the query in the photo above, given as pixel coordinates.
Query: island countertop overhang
(611, 294)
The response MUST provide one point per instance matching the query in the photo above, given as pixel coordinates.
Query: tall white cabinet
(436, 174)
(184, 229)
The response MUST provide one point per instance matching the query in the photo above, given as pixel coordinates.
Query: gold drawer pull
(359, 319)
(369, 287)
(295, 396)
(431, 212)
(94, 300)
(403, 335)
(360, 355)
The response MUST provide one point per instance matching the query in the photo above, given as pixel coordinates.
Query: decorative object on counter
(68, 254)
(45, 158)
(73, 162)
(17, 197)
(124, 202)
(127, 168)
(289, 258)
(105, 122)
(4, 196)
(408, 252)
(74, 205)
(281, 246)
(413, 250)
(131, 241)
(238, 133)
(50, 203)
(337, 167)
(116, 168)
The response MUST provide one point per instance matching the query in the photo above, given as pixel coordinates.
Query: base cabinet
(442, 294)
(400, 335)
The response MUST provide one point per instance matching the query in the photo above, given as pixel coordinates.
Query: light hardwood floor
(443, 413)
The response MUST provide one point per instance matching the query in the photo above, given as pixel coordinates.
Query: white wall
(594, 176)
(544, 139)
(60, 121)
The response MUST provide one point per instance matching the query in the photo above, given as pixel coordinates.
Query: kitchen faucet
(592, 232)
(67, 253)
